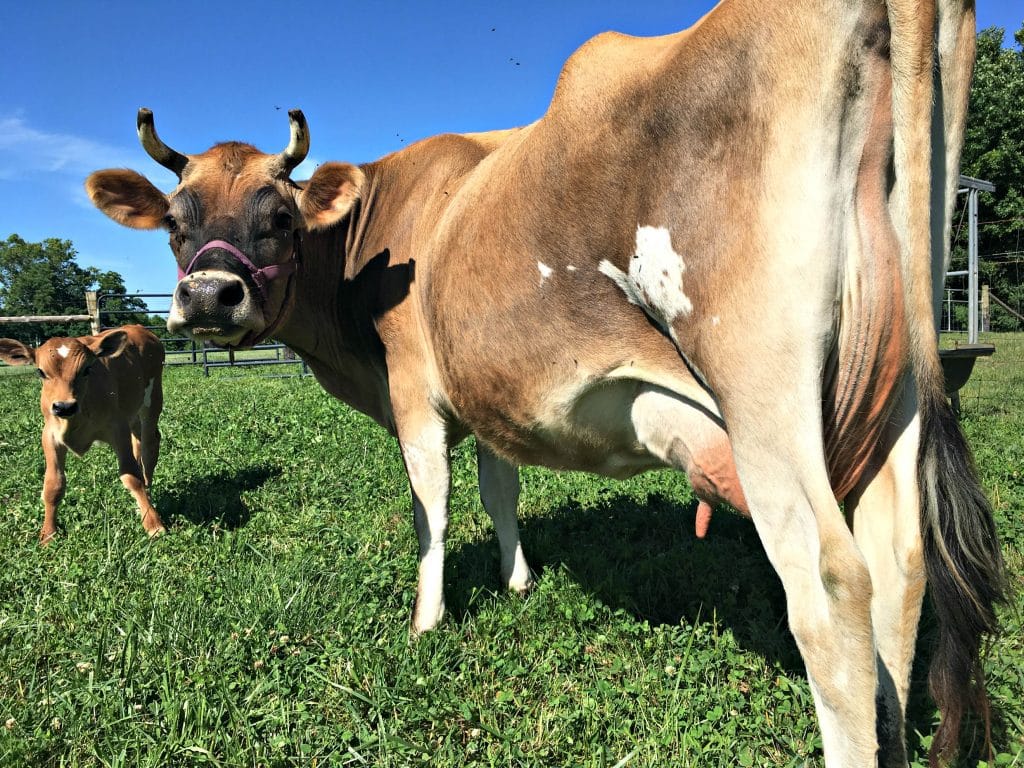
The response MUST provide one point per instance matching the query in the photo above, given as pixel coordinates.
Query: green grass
(270, 626)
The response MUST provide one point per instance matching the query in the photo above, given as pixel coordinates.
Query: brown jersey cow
(105, 388)
(716, 251)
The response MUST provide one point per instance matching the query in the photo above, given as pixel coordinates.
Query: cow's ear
(109, 345)
(128, 198)
(13, 352)
(330, 194)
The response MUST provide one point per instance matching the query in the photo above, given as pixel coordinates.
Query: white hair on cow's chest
(655, 279)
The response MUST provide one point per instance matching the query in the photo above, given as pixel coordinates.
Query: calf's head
(65, 366)
(235, 222)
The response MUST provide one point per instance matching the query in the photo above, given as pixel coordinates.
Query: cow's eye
(40, 372)
(170, 223)
(283, 220)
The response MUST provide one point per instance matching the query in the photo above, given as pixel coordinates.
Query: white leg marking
(499, 492)
(655, 279)
(147, 398)
(426, 461)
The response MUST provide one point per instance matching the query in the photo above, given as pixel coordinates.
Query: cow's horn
(156, 149)
(298, 147)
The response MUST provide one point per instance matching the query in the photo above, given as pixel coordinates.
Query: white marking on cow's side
(545, 271)
(147, 398)
(655, 279)
(715, 320)
(63, 350)
(570, 268)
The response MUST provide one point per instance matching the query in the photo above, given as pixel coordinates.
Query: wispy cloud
(26, 151)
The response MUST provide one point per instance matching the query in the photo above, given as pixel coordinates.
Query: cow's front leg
(425, 452)
(53, 485)
(499, 492)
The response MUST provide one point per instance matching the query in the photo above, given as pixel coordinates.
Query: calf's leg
(53, 485)
(132, 478)
(149, 433)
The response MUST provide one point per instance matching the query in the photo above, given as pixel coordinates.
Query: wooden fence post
(92, 306)
(984, 308)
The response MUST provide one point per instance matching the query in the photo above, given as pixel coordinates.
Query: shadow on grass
(644, 558)
(213, 499)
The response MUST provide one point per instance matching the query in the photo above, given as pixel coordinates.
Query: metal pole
(972, 267)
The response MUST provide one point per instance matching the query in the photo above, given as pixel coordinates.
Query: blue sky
(370, 77)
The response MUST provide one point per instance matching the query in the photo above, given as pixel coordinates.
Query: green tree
(994, 151)
(45, 279)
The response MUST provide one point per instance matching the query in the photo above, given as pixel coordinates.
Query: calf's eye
(40, 372)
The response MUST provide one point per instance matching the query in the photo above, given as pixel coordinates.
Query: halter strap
(261, 276)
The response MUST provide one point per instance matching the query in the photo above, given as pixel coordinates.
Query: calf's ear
(110, 345)
(329, 194)
(128, 198)
(13, 352)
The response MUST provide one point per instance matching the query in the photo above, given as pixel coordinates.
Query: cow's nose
(64, 408)
(207, 294)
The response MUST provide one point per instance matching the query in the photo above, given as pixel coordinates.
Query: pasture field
(269, 627)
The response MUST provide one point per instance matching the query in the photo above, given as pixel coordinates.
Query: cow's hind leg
(499, 492)
(885, 510)
(778, 450)
(132, 479)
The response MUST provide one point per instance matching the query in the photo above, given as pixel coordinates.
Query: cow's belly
(619, 427)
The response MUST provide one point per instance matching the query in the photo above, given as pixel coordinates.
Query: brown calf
(106, 388)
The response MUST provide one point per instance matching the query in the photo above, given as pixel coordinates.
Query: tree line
(994, 151)
(45, 278)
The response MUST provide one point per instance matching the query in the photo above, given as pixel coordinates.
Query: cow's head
(235, 222)
(64, 365)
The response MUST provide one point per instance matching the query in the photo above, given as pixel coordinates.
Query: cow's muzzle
(214, 306)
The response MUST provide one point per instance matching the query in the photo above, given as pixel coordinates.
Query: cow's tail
(962, 555)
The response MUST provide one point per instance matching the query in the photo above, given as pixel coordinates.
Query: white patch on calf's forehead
(63, 350)
(545, 271)
(655, 279)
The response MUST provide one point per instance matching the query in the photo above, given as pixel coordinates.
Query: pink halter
(260, 275)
